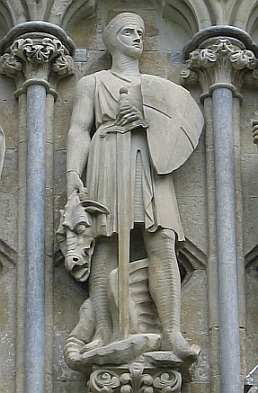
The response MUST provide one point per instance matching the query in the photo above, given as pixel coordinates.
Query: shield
(175, 123)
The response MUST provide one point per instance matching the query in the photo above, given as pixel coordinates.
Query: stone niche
(162, 56)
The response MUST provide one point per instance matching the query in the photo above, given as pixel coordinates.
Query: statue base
(154, 372)
(136, 377)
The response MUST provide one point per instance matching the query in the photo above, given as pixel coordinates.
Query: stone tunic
(152, 196)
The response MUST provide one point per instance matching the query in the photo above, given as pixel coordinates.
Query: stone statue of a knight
(129, 132)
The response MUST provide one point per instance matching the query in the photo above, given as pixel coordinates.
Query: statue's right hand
(74, 183)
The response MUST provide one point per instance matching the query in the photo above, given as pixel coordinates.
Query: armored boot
(165, 289)
(103, 262)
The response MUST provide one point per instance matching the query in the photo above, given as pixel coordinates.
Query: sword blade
(124, 218)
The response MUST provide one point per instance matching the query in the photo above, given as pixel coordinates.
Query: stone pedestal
(135, 378)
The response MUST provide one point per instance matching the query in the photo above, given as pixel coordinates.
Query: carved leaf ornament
(104, 381)
(202, 58)
(222, 48)
(39, 53)
(63, 65)
(135, 381)
(243, 59)
(168, 382)
(30, 51)
(10, 65)
(222, 62)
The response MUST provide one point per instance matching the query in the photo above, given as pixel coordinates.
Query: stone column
(36, 55)
(219, 57)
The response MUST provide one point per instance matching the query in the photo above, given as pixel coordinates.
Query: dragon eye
(79, 228)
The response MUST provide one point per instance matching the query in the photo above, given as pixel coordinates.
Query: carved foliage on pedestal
(221, 63)
(135, 379)
(38, 59)
(169, 381)
(104, 380)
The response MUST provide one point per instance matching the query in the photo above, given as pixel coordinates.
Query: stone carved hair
(109, 35)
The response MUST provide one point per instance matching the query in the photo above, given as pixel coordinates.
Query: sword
(124, 212)
(124, 217)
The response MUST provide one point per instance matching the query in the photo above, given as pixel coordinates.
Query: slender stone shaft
(36, 63)
(35, 237)
(226, 241)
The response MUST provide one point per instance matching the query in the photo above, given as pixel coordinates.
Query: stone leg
(103, 262)
(165, 289)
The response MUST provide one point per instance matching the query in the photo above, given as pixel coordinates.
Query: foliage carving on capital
(35, 52)
(36, 58)
(10, 65)
(223, 62)
(63, 65)
(135, 378)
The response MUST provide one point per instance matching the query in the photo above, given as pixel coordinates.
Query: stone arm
(78, 139)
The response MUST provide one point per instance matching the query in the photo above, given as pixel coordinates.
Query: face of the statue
(130, 40)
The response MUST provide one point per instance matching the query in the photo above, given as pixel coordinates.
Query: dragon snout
(79, 267)
(73, 260)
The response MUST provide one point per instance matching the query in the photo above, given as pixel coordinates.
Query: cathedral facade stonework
(129, 229)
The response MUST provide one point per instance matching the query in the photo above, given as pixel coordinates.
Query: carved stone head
(76, 234)
(110, 35)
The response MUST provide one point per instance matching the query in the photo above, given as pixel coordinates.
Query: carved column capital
(220, 64)
(36, 58)
(220, 57)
